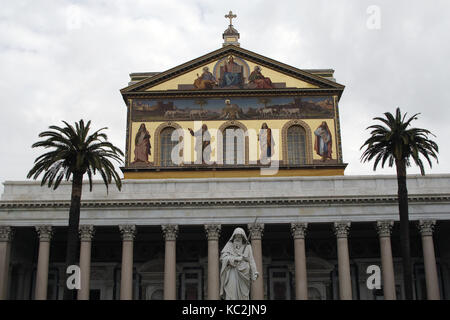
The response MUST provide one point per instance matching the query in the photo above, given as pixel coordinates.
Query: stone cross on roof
(230, 16)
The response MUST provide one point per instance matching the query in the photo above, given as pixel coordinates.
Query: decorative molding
(232, 123)
(178, 94)
(256, 230)
(338, 130)
(128, 231)
(308, 138)
(86, 232)
(45, 232)
(426, 227)
(6, 233)
(213, 231)
(384, 228)
(157, 140)
(128, 133)
(298, 230)
(170, 232)
(341, 229)
(263, 201)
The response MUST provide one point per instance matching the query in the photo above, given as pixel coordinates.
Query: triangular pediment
(225, 74)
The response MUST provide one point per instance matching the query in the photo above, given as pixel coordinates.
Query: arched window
(233, 142)
(166, 146)
(296, 145)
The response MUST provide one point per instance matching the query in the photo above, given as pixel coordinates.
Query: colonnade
(212, 232)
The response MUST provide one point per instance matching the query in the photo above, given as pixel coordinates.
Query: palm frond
(395, 142)
(74, 150)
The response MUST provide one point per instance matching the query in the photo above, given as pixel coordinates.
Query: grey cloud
(68, 60)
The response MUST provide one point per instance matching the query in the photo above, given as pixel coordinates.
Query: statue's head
(238, 239)
(239, 235)
(205, 69)
(264, 126)
(204, 127)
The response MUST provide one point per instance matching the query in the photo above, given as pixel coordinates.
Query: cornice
(161, 94)
(216, 202)
(221, 167)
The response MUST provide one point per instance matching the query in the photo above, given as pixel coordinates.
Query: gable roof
(320, 82)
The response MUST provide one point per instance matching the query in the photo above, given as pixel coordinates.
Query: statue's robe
(205, 81)
(232, 75)
(142, 146)
(235, 278)
(323, 144)
(259, 81)
(266, 143)
(203, 144)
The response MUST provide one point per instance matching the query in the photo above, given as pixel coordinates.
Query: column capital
(213, 231)
(170, 231)
(6, 233)
(341, 228)
(298, 230)
(45, 232)
(87, 232)
(384, 228)
(128, 231)
(426, 227)
(256, 230)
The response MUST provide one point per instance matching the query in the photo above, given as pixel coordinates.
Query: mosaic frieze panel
(234, 108)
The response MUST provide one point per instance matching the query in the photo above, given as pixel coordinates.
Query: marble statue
(238, 267)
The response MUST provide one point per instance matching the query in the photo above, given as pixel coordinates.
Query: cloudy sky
(66, 60)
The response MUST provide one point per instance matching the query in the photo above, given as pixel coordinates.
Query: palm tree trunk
(404, 229)
(72, 232)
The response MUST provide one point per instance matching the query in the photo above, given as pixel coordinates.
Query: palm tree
(398, 144)
(74, 153)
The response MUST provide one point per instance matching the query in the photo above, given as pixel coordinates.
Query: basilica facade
(230, 139)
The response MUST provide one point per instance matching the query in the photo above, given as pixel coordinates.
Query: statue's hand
(255, 276)
(235, 261)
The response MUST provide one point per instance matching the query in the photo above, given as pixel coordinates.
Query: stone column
(384, 229)
(301, 281)
(426, 228)
(170, 263)
(6, 235)
(213, 234)
(45, 236)
(256, 232)
(86, 235)
(345, 281)
(126, 278)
